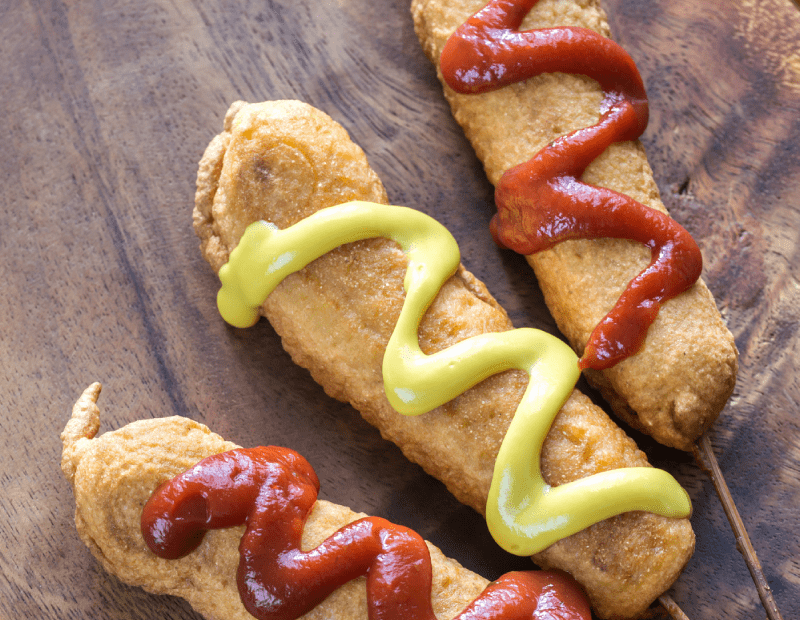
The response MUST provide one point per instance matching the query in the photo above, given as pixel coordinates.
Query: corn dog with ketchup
(167, 505)
(292, 167)
(553, 108)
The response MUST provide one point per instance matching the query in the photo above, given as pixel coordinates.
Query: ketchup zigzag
(543, 201)
(271, 491)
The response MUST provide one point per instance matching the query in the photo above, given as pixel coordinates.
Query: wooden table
(107, 107)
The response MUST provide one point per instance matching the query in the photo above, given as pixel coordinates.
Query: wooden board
(107, 107)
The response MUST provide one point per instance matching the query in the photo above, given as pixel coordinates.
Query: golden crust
(677, 385)
(114, 475)
(282, 161)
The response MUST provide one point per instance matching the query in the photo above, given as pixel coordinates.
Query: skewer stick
(704, 455)
(672, 608)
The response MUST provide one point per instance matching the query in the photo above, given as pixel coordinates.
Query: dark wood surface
(107, 107)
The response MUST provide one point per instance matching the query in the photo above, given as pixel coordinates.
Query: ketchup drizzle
(271, 491)
(542, 202)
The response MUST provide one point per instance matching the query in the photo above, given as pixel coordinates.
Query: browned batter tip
(114, 475)
(679, 382)
(282, 161)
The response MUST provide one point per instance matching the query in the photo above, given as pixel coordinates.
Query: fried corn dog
(283, 161)
(114, 475)
(679, 381)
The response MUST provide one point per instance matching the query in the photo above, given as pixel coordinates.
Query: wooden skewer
(672, 607)
(704, 455)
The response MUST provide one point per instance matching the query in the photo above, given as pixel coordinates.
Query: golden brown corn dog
(679, 381)
(114, 475)
(283, 161)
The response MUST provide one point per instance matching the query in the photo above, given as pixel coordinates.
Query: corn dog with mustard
(286, 163)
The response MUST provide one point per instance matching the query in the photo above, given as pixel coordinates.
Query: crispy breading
(282, 161)
(680, 380)
(114, 475)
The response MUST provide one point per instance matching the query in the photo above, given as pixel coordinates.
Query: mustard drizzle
(524, 514)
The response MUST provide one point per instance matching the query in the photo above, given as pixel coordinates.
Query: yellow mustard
(524, 514)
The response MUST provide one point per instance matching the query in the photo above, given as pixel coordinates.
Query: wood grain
(107, 108)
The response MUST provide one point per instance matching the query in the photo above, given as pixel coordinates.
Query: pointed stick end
(707, 461)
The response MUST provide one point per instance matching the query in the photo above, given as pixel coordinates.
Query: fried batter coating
(114, 475)
(282, 161)
(680, 380)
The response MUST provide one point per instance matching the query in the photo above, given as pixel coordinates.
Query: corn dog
(114, 477)
(283, 162)
(683, 374)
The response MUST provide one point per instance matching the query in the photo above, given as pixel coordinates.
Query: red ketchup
(543, 201)
(271, 491)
